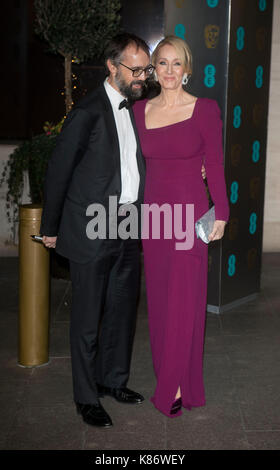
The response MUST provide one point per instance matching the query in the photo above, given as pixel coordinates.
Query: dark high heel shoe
(177, 405)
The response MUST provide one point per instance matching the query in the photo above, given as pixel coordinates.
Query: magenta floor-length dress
(176, 280)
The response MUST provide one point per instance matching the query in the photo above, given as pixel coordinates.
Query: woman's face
(169, 68)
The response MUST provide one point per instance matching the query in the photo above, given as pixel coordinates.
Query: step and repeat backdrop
(231, 46)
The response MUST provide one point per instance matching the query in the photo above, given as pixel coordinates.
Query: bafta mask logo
(180, 31)
(239, 76)
(252, 258)
(255, 184)
(179, 3)
(235, 154)
(211, 35)
(257, 114)
(261, 38)
(233, 228)
(212, 3)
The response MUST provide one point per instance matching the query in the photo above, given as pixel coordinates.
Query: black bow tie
(125, 104)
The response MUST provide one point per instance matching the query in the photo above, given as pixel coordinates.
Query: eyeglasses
(137, 71)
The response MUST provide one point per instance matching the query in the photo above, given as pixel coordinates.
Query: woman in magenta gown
(178, 133)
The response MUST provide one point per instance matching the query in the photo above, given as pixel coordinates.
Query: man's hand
(49, 242)
(203, 172)
(218, 230)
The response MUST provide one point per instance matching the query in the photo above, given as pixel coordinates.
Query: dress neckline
(169, 125)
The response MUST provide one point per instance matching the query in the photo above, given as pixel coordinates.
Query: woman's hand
(49, 242)
(218, 230)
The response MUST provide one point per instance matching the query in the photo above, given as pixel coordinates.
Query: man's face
(129, 86)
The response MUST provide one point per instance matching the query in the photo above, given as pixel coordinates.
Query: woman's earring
(155, 76)
(185, 79)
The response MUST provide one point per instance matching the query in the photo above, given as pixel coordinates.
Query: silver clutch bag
(204, 225)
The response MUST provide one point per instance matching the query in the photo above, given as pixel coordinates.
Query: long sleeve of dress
(211, 130)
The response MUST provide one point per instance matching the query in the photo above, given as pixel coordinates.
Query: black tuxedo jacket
(84, 169)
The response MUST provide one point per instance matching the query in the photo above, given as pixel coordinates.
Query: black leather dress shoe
(95, 415)
(123, 395)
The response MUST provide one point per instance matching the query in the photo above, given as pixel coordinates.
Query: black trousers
(103, 318)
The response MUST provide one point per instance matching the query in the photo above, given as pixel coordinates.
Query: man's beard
(127, 90)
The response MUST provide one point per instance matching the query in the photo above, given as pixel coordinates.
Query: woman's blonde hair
(182, 49)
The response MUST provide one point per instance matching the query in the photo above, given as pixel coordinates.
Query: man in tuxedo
(98, 155)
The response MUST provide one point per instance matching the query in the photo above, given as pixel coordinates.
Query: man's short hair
(119, 43)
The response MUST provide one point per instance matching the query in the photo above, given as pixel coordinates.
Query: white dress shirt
(128, 146)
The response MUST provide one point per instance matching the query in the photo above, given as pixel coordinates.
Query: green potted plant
(78, 30)
(30, 156)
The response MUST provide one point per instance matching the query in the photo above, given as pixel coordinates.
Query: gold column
(34, 290)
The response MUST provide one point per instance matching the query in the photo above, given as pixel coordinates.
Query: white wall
(6, 245)
(8, 240)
